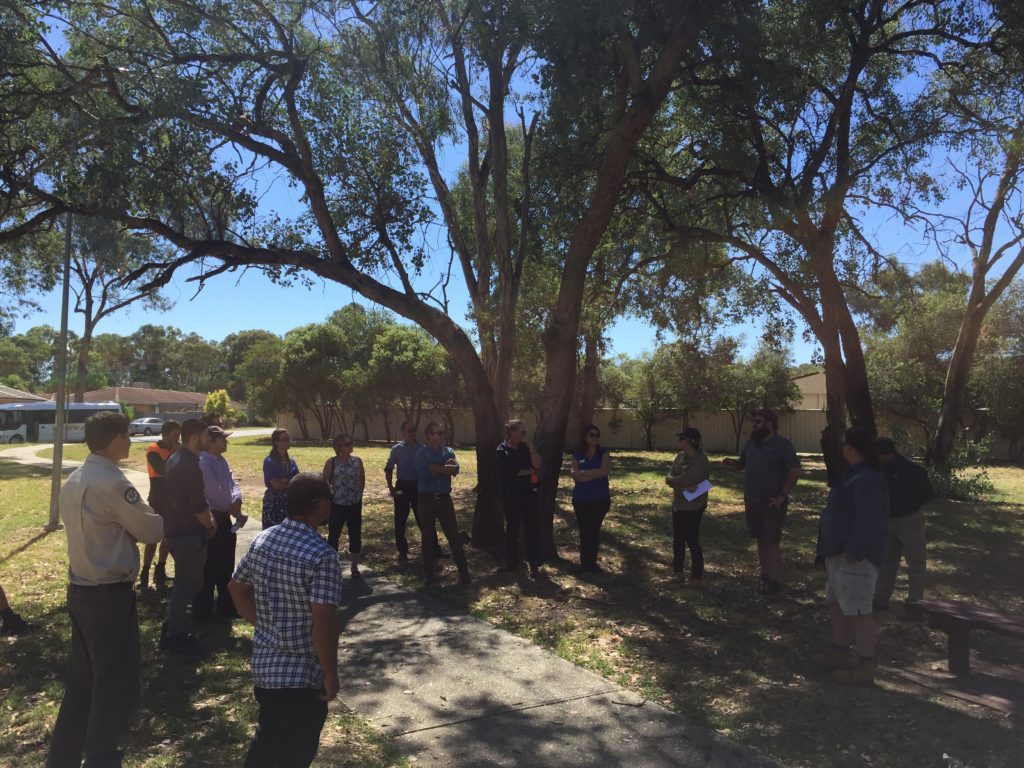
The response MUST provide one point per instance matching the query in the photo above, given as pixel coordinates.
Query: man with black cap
(909, 490)
(771, 469)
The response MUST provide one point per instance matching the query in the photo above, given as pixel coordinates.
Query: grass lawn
(722, 657)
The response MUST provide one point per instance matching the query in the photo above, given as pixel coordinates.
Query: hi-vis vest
(164, 453)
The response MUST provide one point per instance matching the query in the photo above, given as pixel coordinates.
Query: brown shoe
(862, 674)
(838, 658)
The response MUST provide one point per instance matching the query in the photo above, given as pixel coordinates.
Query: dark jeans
(288, 730)
(589, 516)
(686, 533)
(103, 679)
(220, 564)
(405, 500)
(352, 515)
(189, 553)
(438, 508)
(523, 511)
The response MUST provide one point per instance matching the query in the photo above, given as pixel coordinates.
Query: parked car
(150, 425)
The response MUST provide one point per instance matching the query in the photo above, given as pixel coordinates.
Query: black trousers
(589, 516)
(288, 730)
(342, 515)
(686, 533)
(405, 497)
(103, 680)
(522, 511)
(220, 564)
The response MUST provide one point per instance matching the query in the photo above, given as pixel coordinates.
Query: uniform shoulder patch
(131, 495)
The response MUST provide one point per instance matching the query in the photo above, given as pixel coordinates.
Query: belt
(104, 587)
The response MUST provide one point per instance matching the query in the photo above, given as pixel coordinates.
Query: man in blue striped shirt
(289, 586)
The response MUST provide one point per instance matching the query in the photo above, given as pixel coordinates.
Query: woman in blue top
(278, 469)
(591, 498)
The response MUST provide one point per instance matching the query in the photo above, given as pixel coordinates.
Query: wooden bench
(957, 619)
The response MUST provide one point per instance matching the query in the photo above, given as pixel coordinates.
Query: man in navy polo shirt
(404, 490)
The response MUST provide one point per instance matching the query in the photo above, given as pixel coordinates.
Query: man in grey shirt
(771, 469)
(188, 524)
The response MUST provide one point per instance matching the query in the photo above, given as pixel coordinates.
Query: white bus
(34, 422)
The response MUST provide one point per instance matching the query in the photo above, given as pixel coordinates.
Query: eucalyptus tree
(985, 91)
(101, 258)
(195, 104)
(778, 151)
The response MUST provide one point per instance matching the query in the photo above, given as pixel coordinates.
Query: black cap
(690, 434)
(885, 446)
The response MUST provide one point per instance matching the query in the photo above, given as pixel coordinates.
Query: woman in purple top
(278, 469)
(591, 496)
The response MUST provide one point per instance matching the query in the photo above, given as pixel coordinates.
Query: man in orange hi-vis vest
(156, 460)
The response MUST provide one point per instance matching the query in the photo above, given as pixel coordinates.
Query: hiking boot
(14, 624)
(160, 574)
(838, 657)
(861, 674)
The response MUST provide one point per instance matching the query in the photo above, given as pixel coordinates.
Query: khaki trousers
(906, 540)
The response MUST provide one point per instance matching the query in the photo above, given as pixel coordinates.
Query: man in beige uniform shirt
(104, 517)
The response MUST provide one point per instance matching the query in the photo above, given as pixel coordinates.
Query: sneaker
(14, 625)
(160, 573)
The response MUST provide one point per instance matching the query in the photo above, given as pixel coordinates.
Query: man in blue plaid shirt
(289, 585)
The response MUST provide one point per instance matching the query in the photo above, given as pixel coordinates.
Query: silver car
(150, 425)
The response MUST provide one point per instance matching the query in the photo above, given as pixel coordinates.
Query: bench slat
(975, 618)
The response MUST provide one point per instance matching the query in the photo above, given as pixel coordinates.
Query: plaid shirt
(289, 566)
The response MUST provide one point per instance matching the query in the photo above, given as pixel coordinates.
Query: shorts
(851, 585)
(764, 522)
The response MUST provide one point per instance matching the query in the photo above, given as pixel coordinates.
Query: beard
(761, 433)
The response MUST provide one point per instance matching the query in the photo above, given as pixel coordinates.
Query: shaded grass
(722, 657)
(192, 714)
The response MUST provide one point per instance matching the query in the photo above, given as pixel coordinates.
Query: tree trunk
(960, 362)
(82, 373)
(487, 522)
(588, 399)
(835, 406)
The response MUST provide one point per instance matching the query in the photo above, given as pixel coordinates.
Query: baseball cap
(215, 432)
(690, 434)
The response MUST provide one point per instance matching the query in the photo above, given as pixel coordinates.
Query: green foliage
(219, 403)
(126, 409)
(964, 478)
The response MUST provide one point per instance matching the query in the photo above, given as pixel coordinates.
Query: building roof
(10, 393)
(147, 396)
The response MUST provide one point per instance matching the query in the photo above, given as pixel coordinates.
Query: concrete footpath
(450, 690)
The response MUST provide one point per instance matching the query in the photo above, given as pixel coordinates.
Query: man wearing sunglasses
(404, 490)
(771, 469)
(436, 465)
